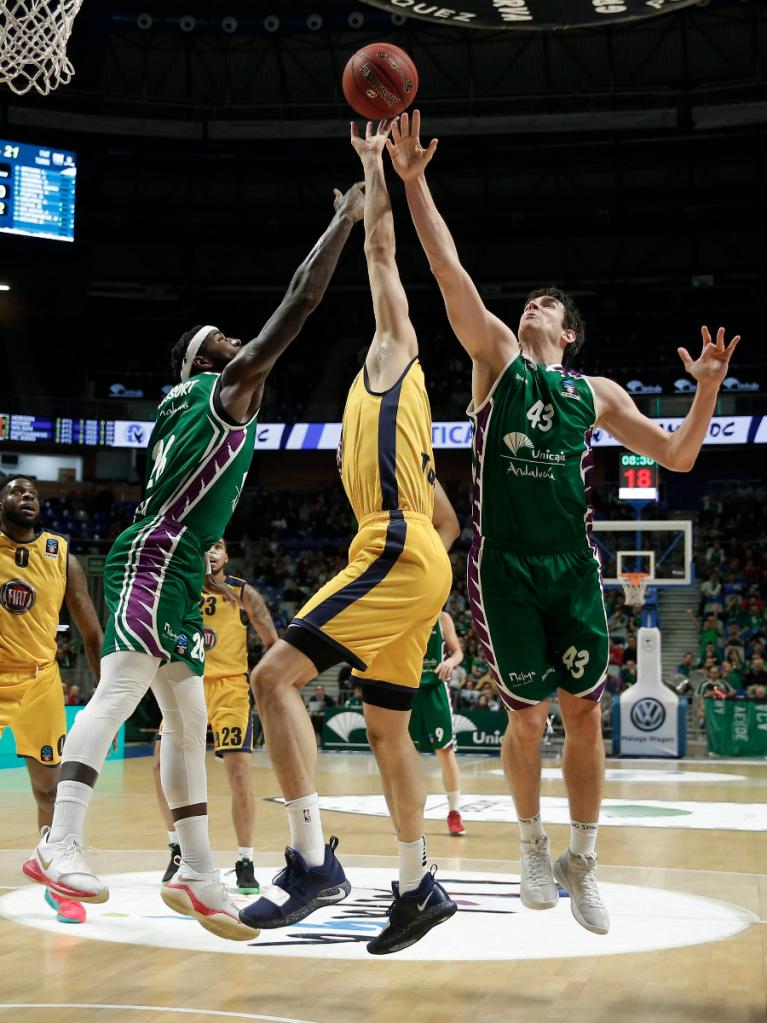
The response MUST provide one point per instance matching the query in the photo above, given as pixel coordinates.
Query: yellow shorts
(379, 611)
(33, 707)
(230, 713)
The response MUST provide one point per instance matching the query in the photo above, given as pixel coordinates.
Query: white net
(634, 587)
(33, 44)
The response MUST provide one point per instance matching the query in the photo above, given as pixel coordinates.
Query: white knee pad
(125, 677)
(181, 697)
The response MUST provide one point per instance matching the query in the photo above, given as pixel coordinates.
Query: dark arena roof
(622, 161)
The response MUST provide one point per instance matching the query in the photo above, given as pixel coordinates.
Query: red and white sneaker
(61, 867)
(206, 899)
(67, 911)
(455, 824)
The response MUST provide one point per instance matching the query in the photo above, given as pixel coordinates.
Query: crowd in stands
(731, 617)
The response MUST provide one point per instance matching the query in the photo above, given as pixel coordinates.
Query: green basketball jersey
(197, 462)
(435, 654)
(531, 459)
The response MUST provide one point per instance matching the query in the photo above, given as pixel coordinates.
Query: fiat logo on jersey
(210, 638)
(648, 714)
(17, 597)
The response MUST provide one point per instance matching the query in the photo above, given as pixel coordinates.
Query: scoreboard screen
(637, 477)
(37, 191)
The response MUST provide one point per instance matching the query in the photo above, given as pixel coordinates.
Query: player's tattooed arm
(80, 607)
(453, 644)
(486, 338)
(444, 519)
(679, 450)
(255, 608)
(242, 381)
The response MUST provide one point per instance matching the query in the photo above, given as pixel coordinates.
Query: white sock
(412, 864)
(531, 828)
(306, 829)
(583, 838)
(246, 852)
(172, 838)
(72, 799)
(453, 800)
(195, 844)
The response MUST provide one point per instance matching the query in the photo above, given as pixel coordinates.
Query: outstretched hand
(713, 363)
(374, 141)
(350, 204)
(407, 154)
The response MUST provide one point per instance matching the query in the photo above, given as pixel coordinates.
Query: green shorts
(541, 622)
(153, 579)
(431, 717)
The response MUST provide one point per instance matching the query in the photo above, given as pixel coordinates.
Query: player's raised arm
(255, 608)
(678, 451)
(482, 334)
(394, 344)
(80, 606)
(242, 381)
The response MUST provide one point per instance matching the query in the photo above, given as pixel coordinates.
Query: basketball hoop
(33, 44)
(634, 587)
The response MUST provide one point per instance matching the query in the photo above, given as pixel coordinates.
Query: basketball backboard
(663, 549)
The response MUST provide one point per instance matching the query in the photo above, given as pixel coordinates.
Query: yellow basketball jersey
(385, 455)
(226, 650)
(33, 581)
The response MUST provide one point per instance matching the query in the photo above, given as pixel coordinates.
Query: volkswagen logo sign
(648, 714)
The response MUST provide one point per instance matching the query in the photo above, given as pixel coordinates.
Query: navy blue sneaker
(412, 915)
(299, 891)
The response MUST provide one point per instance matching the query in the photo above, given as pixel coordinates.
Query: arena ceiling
(624, 161)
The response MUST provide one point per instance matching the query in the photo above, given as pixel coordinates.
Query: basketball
(380, 81)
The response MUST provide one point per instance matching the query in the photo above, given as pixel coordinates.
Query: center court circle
(491, 923)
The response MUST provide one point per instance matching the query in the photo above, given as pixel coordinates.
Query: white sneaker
(61, 866)
(538, 889)
(577, 873)
(206, 899)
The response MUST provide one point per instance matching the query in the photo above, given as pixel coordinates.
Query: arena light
(356, 19)
(144, 21)
(314, 22)
(271, 23)
(5, 287)
(229, 25)
(187, 23)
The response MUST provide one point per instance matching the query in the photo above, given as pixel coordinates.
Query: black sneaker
(246, 879)
(299, 890)
(412, 915)
(175, 859)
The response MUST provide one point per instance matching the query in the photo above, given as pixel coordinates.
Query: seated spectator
(758, 693)
(710, 632)
(73, 697)
(686, 667)
(482, 703)
(354, 702)
(488, 691)
(735, 668)
(317, 704)
(627, 675)
(733, 640)
(630, 650)
(468, 696)
(712, 597)
(616, 654)
(345, 682)
(756, 674)
(617, 624)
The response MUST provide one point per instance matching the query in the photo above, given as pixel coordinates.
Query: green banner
(477, 731)
(736, 728)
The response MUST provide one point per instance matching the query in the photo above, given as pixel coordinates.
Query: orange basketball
(380, 81)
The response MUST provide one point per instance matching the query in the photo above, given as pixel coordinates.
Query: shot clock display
(637, 477)
(37, 191)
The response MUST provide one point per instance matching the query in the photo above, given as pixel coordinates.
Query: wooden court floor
(669, 889)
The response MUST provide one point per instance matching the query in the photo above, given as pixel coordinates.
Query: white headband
(191, 353)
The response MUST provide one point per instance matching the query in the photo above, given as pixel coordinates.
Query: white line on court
(152, 1008)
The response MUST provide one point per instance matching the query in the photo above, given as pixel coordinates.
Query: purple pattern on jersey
(155, 553)
(207, 475)
(481, 420)
(508, 700)
(478, 611)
